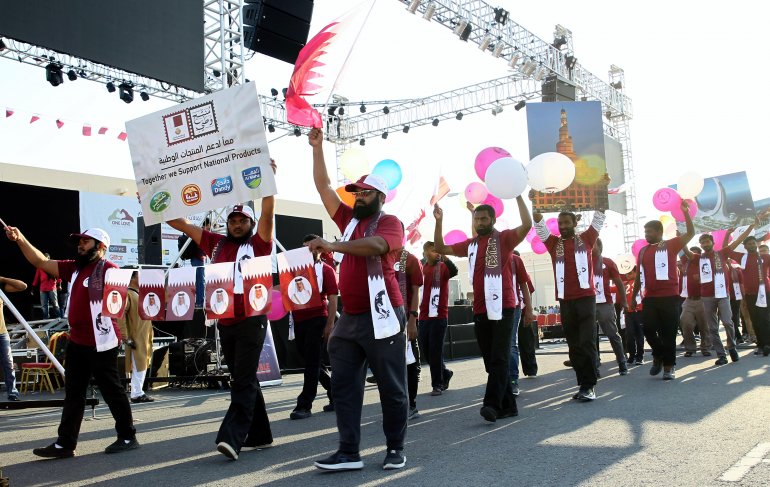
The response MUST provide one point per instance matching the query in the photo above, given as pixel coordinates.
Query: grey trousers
(607, 318)
(693, 315)
(719, 309)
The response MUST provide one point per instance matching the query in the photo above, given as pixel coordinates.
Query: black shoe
(758, 351)
(489, 413)
(329, 408)
(51, 451)
(142, 398)
(623, 368)
(120, 445)
(341, 461)
(706, 353)
(766, 350)
(567, 363)
(515, 388)
(722, 360)
(248, 447)
(630, 362)
(414, 413)
(689, 353)
(734, 355)
(657, 366)
(371, 380)
(300, 414)
(14, 397)
(586, 395)
(576, 395)
(447, 377)
(227, 450)
(508, 413)
(393, 460)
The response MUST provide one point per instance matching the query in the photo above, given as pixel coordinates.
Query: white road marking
(745, 464)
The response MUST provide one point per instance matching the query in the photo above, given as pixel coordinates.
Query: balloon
(346, 197)
(476, 193)
(679, 215)
(506, 178)
(666, 199)
(502, 224)
(390, 171)
(637, 246)
(669, 231)
(391, 195)
(354, 163)
(690, 185)
(666, 220)
(277, 311)
(625, 262)
(550, 172)
(455, 236)
(538, 247)
(495, 203)
(531, 234)
(485, 159)
(719, 238)
(553, 226)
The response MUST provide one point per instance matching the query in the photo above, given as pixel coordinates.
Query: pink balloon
(538, 247)
(476, 193)
(637, 246)
(679, 215)
(666, 199)
(277, 311)
(553, 226)
(455, 236)
(391, 195)
(495, 203)
(719, 238)
(485, 159)
(531, 234)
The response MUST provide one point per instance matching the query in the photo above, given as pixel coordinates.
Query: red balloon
(495, 203)
(637, 246)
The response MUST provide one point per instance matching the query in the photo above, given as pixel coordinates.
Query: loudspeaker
(556, 89)
(150, 244)
(277, 28)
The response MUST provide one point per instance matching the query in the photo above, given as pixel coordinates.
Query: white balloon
(550, 172)
(690, 185)
(506, 178)
(625, 263)
(354, 163)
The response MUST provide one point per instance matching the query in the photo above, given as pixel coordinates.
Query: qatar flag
(180, 294)
(219, 290)
(115, 289)
(257, 285)
(299, 282)
(152, 294)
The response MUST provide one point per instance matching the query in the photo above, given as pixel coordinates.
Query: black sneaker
(706, 353)
(657, 366)
(640, 361)
(630, 362)
(515, 388)
(576, 395)
(669, 374)
(227, 450)
(447, 377)
(14, 397)
(371, 379)
(340, 461)
(766, 350)
(758, 351)
(722, 360)
(142, 398)
(489, 413)
(393, 460)
(622, 368)
(567, 363)
(414, 413)
(51, 451)
(586, 395)
(734, 355)
(249, 447)
(689, 353)
(329, 408)
(121, 445)
(300, 414)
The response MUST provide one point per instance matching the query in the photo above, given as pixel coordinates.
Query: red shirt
(329, 288)
(751, 271)
(508, 241)
(354, 283)
(572, 289)
(660, 289)
(228, 252)
(629, 285)
(609, 273)
(47, 283)
(79, 310)
(443, 300)
(692, 271)
(736, 276)
(707, 288)
(521, 277)
(413, 276)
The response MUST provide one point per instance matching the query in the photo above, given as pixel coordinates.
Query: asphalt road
(710, 424)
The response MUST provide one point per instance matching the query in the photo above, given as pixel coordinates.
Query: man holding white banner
(93, 346)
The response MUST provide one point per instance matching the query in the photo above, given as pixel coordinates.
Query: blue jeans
(6, 360)
(513, 364)
(46, 298)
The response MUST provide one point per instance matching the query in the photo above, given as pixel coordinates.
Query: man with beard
(494, 303)
(756, 282)
(88, 353)
(371, 326)
(246, 425)
(606, 271)
(658, 282)
(692, 309)
(573, 268)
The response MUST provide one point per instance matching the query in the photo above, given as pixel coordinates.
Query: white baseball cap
(368, 181)
(242, 210)
(95, 233)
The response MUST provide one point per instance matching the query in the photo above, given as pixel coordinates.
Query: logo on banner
(121, 218)
(204, 119)
(118, 248)
(177, 127)
(116, 257)
(191, 194)
(221, 185)
(252, 177)
(160, 201)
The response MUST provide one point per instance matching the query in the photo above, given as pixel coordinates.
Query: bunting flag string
(87, 128)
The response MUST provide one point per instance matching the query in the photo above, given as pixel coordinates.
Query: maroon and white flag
(219, 290)
(115, 289)
(152, 294)
(257, 285)
(180, 294)
(299, 282)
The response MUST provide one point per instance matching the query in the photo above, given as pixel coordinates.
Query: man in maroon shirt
(87, 354)
(692, 309)
(605, 273)
(311, 326)
(371, 326)
(572, 259)
(409, 276)
(48, 287)
(434, 315)
(494, 303)
(658, 281)
(756, 282)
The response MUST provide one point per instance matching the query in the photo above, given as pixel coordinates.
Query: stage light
(362, 142)
(144, 96)
(520, 105)
(429, 11)
(386, 110)
(541, 72)
(496, 109)
(297, 132)
(499, 47)
(53, 74)
(271, 128)
(617, 85)
(385, 135)
(459, 116)
(608, 114)
(332, 109)
(284, 92)
(435, 122)
(528, 67)
(341, 111)
(466, 32)
(111, 87)
(216, 73)
(485, 42)
(412, 8)
(558, 42)
(405, 129)
(501, 16)
(72, 75)
(362, 108)
(126, 92)
(570, 61)
(514, 58)
(460, 27)
(273, 92)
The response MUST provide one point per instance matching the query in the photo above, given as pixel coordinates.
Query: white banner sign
(117, 216)
(200, 155)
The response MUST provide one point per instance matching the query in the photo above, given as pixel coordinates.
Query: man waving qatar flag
(320, 64)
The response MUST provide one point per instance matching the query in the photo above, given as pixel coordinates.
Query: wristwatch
(413, 313)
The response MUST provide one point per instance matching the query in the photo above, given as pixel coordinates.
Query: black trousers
(83, 362)
(494, 339)
(635, 336)
(661, 321)
(308, 336)
(579, 319)
(527, 341)
(431, 334)
(760, 320)
(246, 418)
(413, 374)
(735, 308)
